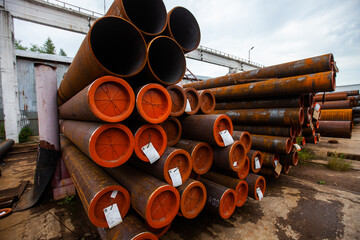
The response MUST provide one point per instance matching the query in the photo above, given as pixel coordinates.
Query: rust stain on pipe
(341, 104)
(337, 115)
(207, 101)
(231, 157)
(282, 131)
(244, 137)
(271, 144)
(321, 97)
(335, 128)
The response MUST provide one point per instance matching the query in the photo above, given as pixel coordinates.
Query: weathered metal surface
(308, 113)
(5, 146)
(266, 116)
(282, 131)
(109, 145)
(341, 104)
(194, 100)
(192, 198)
(108, 99)
(159, 232)
(239, 186)
(269, 172)
(173, 130)
(352, 92)
(336, 96)
(221, 200)
(269, 159)
(231, 157)
(295, 102)
(273, 144)
(301, 67)
(156, 201)
(93, 185)
(337, 115)
(255, 181)
(290, 159)
(178, 99)
(207, 101)
(113, 46)
(311, 139)
(201, 154)
(206, 128)
(244, 137)
(308, 99)
(254, 155)
(171, 158)
(335, 129)
(308, 131)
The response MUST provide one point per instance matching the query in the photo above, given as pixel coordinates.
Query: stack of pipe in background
(269, 103)
(338, 113)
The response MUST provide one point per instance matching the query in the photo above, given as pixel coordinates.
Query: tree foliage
(48, 47)
(19, 46)
(62, 52)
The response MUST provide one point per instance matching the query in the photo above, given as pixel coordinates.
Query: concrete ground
(295, 206)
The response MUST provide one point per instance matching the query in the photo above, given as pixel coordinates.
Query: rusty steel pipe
(131, 228)
(352, 92)
(192, 198)
(336, 96)
(335, 129)
(148, 195)
(311, 139)
(296, 102)
(171, 158)
(356, 110)
(298, 130)
(357, 120)
(159, 232)
(269, 159)
(173, 130)
(193, 99)
(113, 46)
(93, 185)
(301, 67)
(244, 137)
(285, 169)
(341, 104)
(281, 131)
(255, 181)
(207, 101)
(201, 153)
(109, 145)
(178, 99)
(271, 144)
(269, 172)
(290, 159)
(107, 99)
(239, 186)
(308, 113)
(183, 28)
(308, 100)
(253, 156)
(231, 157)
(308, 131)
(337, 115)
(268, 116)
(221, 200)
(148, 133)
(242, 172)
(148, 16)
(5, 146)
(206, 128)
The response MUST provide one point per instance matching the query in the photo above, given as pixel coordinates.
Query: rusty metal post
(231, 157)
(239, 186)
(244, 137)
(254, 156)
(271, 144)
(255, 181)
(193, 99)
(178, 99)
(337, 115)
(341, 104)
(281, 131)
(221, 200)
(173, 130)
(207, 101)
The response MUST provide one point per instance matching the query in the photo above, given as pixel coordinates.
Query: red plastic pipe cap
(153, 103)
(173, 130)
(178, 99)
(150, 133)
(180, 159)
(193, 200)
(103, 199)
(222, 123)
(227, 204)
(111, 99)
(111, 145)
(202, 158)
(260, 183)
(162, 206)
(241, 193)
(243, 170)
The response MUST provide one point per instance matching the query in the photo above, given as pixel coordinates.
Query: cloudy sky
(280, 31)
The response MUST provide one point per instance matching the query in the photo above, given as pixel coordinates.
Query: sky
(280, 31)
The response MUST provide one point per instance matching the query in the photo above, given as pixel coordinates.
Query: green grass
(338, 163)
(305, 155)
(67, 200)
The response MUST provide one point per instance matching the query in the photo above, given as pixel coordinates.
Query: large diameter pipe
(207, 101)
(221, 200)
(341, 104)
(352, 92)
(239, 186)
(295, 102)
(173, 130)
(301, 67)
(183, 28)
(201, 154)
(5, 146)
(148, 16)
(336, 96)
(311, 139)
(178, 99)
(231, 157)
(308, 131)
(271, 144)
(94, 186)
(335, 129)
(109, 145)
(113, 46)
(244, 137)
(255, 181)
(269, 159)
(308, 100)
(337, 115)
(193, 99)
(108, 99)
(242, 172)
(281, 131)
(324, 81)
(206, 128)
(170, 159)
(269, 172)
(290, 159)
(272, 116)
(192, 198)
(255, 156)
(155, 201)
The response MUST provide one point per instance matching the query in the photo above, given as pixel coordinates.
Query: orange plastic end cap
(236, 155)
(202, 158)
(181, 159)
(241, 193)
(173, 130)
(227, 204)
(222, 123)
(178, 99)
(207, 102)
(260, 183)
(193, 200)
(244, 169)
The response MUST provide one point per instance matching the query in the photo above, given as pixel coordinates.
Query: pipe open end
(288, 145)
(301, 100)
(295, 159)
(301, 116)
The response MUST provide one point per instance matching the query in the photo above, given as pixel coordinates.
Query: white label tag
(276, 162)
(188, 107)
(235, 164)
(259, 193)
(316, 115)
(226, 137)
(278, 168)
(112, 215)
(114, 193)
(317, 107)
(175, 176)
(2, 213)
(150, 152)
(297, 146)
(257, 163)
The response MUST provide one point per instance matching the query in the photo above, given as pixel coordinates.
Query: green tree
(19, 46)
(35, 48)
(48, 47)
(62, 52)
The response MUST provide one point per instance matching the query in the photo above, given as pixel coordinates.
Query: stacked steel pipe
(274, 104)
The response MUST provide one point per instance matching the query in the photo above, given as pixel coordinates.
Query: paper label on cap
(297, 146)
(276, 162)
(317, 107)
(150, 152)
(259, 193)
(188, 106)
(112, 215)
(316, 115)
(175, 177)
(257, 163)
(114, 193)
(226, 137)
(2, 213)
(235, 164)
(278, 168)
